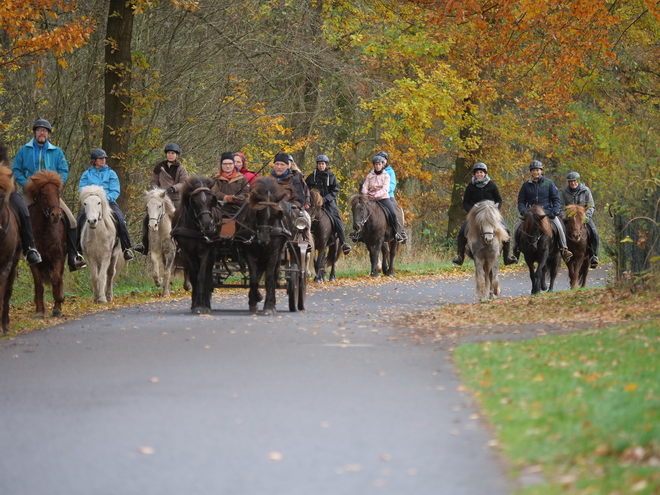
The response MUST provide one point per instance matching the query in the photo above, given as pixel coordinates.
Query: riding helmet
(573, 176)
(98, 153)
(479, 166)
(535, 164)
(291, 160)
(173, 147)
(378, 159)
(383, 154)
(42, 123)
(322, 158)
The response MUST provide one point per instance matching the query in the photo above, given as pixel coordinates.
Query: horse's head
(575, 220)
(362, 208)
(157, 206)
(268, 211)
(45, 188)
(95, 204)
(202, 201)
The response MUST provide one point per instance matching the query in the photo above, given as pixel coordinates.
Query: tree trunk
(117, 119)
(462, 174)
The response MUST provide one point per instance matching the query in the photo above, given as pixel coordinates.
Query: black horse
(265, 226)
(196, 232)
(536, 242)
(325, 239)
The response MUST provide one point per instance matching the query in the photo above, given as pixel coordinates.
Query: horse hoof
(57, 314)
(269, 311)
(39, 316)
(253, 308)
(332, 279)
(199, 310)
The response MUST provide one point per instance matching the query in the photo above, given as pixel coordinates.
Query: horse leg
(553, 267)
(333, 255)
(168, 263)
(374, 252)
(584, 271)
(393, 249)
(206, 269)
(110, 279)
(40, 309)
(58, 288)
(480, 278)
(385, 255)
(319, 265)
(495, 289)
(272, 272)
(156, 269)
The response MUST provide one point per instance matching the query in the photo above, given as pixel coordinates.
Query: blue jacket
(104, 177)
(390, 172)
(25, 162)
(544, 193)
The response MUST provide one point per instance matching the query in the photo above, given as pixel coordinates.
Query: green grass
(583, 406)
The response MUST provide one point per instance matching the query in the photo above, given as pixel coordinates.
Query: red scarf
(231, 175)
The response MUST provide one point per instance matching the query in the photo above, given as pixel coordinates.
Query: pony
(195, 231)
(324, 239)
(159, 211)
(370, 222)
(578, 242)
(49, 231)
(267, 220)
(539, 247)
(10, 240)
(485, 236)
(99, 242)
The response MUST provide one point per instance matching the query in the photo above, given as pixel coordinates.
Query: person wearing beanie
(229, 186)
(323, 180)
(287, 179)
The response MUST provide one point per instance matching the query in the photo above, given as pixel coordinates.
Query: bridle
(199, 215)
(361, 224)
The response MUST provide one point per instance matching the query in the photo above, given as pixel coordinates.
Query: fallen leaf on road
(146, 450)
(275, 456)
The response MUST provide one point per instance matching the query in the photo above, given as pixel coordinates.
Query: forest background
(438, 84)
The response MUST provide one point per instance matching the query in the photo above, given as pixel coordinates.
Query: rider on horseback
(578, 194)
(539, 190)
(169, 174)
(99, 174)
(376, 187)
(41, 154)
(479, 189)
(326, 183)
(390, 171)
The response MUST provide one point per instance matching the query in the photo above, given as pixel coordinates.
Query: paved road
(153, 400)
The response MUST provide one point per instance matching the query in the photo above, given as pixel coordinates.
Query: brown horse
(370, 222)
(578, 243)
(49, 231)
(538, 246)
(10, 241)
(324, 238)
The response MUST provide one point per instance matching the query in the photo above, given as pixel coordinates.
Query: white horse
(486, 235)
(159, 211)
(99, 241)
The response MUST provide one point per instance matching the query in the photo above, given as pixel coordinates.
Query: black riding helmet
(479, 166)
(42, 123)
(383, 154)
(322, 158)
(98, 153)
(173, 147)
(535, 164)
(378, 159)
(573, 176)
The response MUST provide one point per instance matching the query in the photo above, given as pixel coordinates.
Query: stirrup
(140, 249)
(346, 248)
(128, 256)
(32, 256)
(566, 255)
(458, 260)
(594, 262)
(510, 260)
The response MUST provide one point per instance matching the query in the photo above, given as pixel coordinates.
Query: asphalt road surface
(333, 400)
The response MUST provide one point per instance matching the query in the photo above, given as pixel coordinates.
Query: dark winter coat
(326, 184)
(293, 187)
(234, 191)
(581, 195)
(162, 178)
(474, 194)
(542, 192)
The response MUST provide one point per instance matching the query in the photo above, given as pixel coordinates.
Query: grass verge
(581, 408)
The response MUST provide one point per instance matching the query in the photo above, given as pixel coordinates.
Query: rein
(361, 224)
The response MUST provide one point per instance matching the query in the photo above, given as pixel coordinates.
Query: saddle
(388, 214)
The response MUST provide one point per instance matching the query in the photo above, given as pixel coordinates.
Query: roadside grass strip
(581, 409)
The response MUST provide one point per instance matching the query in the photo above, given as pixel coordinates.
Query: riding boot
(593, 246)
(345, 247)
(74, 258)
(402, 232)
(509, 259)
(122, 233)
(32, 256)
(461, 242)
(143, 247)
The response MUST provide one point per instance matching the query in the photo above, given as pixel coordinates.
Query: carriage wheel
(293, 287)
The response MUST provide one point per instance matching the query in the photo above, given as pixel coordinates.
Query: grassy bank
(582, 409)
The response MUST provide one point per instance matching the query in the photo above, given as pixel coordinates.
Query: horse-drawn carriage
(265, 239)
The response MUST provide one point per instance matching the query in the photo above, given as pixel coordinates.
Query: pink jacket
(377, 186)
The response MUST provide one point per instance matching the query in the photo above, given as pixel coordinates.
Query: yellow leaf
(630, 387)
(539, 378)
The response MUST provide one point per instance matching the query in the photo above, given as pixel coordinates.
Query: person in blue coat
(539, 190)
(41, 154)
(99, 174)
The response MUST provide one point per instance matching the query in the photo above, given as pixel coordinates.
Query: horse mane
(40, 180)
(160, 194)
(485, 216)
(7, 181)
(357, 199)
(576, 211)
(315, 197)
(265, 189)
(193, 183)
(536, 214)
(94, 190)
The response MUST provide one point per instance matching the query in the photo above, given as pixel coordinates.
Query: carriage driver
(99, 174)
(481, 188)
(41, 154)
(169, 174)
(325, 182)
(376, 187)
(287, 179)
(539, 190)
(578, 194)
(229, 185)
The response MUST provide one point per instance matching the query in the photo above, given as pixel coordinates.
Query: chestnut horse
(10, 241)
(195, 231)
(539, 247)
(325, 239)
(370, 222)
(578, 242)
(485, 236)
(49, 231)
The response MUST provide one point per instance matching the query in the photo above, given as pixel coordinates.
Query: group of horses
(536, 242)
(262, 228)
